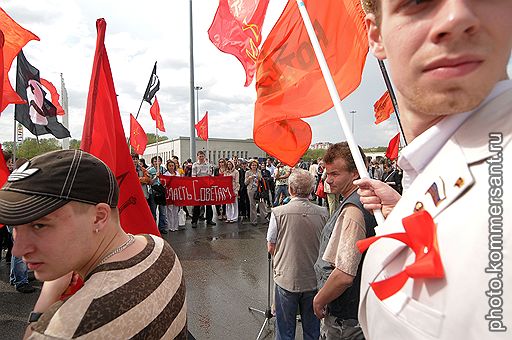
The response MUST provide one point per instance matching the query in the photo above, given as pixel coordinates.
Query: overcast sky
(140, 33)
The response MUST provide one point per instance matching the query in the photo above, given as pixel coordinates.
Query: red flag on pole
(383, 108)
(2, 40)
(236, 29)
(155, 114)
(202, 127)
(15, 38)
(138, 138)
(392, 150)
(289, 82)
(103, 136)
(54, 94)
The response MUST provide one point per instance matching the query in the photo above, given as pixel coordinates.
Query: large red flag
(15, 38)
(103, 136)
(392, 150)
(383, 108)
(155, 114)
(138, 138)
(202, 127)
(236, 29)
(289, 82)
(54, 94)
(2, 40)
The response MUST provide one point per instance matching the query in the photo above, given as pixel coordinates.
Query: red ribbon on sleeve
(420, 235)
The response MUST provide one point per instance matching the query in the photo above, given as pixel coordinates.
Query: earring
(96, 230)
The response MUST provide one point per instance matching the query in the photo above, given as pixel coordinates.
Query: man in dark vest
(339, 264)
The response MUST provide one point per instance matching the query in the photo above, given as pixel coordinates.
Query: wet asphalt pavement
(226, 271)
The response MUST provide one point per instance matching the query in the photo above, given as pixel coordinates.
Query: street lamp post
(353, 112)
(197, 88)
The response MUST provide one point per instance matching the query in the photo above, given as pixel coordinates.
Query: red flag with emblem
(103, 136)
(383, 108)
(392, 150)
(138, 138)
(202, 127)
(289, 83)
(155, 114)
(15, 37)
(236, 29)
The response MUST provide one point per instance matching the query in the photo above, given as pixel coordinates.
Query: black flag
(39, 114)
(153, 86)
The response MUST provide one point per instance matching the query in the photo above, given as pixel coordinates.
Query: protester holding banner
(201, 169)
(232, 209)
(155, 200)
(171, 210)
(253, 179)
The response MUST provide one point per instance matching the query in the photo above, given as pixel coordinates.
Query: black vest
(347, 304)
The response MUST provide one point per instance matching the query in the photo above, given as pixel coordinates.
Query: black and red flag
(153, 86)
(38, 115)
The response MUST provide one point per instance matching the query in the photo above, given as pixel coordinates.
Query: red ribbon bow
(420, 236)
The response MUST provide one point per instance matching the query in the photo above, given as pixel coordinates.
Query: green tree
(152, 138)
(74, 143)
(314, 154)
(30, 147)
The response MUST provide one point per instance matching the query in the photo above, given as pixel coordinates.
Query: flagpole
(65, 118)
(15, 139)
(391, 92)
(360, 165)
(140, 106)
(192, 97)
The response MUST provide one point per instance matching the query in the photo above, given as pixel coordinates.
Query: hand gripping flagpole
(361, 168)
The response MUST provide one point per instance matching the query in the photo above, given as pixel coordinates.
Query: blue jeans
(19, 272)
(280, 189)
(287, 304)
(162, 218)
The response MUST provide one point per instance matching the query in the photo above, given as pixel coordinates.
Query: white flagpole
(361, 168)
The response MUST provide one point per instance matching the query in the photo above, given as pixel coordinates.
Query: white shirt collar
(415, 156)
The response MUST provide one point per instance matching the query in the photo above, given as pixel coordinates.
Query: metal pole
(197, 88)
(353, 112)
(192, 99)
(65, 118)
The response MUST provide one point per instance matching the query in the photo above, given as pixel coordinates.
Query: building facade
(215, 148)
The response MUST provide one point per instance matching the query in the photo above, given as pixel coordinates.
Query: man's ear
(102, 215)
(374, 37)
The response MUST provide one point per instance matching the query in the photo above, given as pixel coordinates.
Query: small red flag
(15, 38)
(383, 108)
(236, 29)
(202, 127)
(289, 82)
(392, 150)
(55, 96)
(138, 138)
(103, 136)
(155, 114)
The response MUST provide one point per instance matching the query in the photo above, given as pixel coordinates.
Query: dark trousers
(243, 203)
(196, 210)
(5, 241)
(287, 304)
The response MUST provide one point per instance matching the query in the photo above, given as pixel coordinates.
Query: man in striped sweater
(63, 206)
